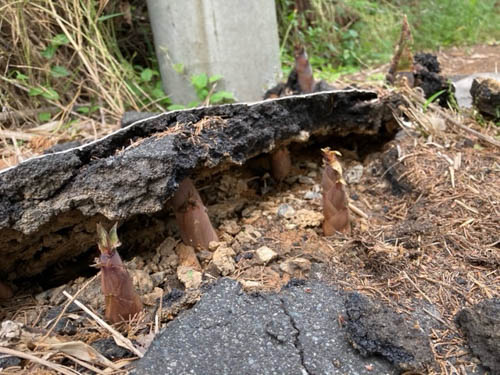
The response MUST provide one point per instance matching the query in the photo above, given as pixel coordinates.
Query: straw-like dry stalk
(335, 208)
(281, 164)
(194, 224)
(122, 301)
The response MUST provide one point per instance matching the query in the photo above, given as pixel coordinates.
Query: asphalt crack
(296, 341)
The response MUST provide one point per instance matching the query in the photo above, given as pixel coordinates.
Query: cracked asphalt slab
(296, 331)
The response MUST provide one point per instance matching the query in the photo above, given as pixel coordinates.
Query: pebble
(354, 173)
(265, 255)
(311, 165)
(310, 195)
(190, 277)
(158, 278)
(248, 234)
(143, 283)
(286, 211)
(223, 260)
(291, 265)
(306, 180)
(231, 227)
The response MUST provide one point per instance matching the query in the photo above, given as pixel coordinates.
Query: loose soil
(424, 231)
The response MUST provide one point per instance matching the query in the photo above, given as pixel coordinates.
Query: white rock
(265, 254)
(190, 277)
(310, 195)
(286, 211)
(142, 281)
(223, 260)
(231, 227)
(353, 174)
(298, 264)
(249, 284)
(306, 180)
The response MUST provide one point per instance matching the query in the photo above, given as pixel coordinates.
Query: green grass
(353, 34)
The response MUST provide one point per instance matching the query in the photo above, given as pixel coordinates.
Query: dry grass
(84, 84)
(438, 244)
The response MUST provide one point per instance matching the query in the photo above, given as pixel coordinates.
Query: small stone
(56, 297)
(311, 195)
(265, 255)
(10, 331)
(205, 255)
(231, 227)
(291, 180)
(223, 260)
(308, 218)
(248, 211)
(290, 226)
(311, 165)
(166, 247)
(187, 256)
(354, 173)
(226, 237)
(150, 299)
(306, 180)
(248, 234)
(312, 174)
(143, 283)
(286, 211)
(298, 264)
(213, 245)
(158, 278)
(170, 262)
(190, 277)
(250, 284)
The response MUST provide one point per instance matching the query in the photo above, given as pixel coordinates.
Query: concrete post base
(237, 39)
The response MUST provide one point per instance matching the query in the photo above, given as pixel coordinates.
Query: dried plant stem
(16, 353)
(441, 112)
(66, 307)
(117, 335)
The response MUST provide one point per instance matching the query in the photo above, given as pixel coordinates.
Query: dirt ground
(425, 211)
(469, 60)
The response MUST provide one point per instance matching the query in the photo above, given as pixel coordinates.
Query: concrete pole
(237, 39)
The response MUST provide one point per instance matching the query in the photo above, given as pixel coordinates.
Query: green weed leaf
(221, 96)
(50, 93)
(49, 52)
(175, 107)
(59, 71)
(35, 91)
(60, 39)
(20, 76)
(215, 78)
(83, 110)
(146, 75)
(109, 16)
(432, 98)
(44, 116)
(202, 94)
(199, 81)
